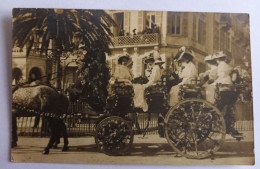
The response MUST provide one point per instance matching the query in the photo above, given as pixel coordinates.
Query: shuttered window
(216, 37)
(127, 22)
(194, 28)
(140, 21)
(150, 20)
(201, 30)
(174, 23)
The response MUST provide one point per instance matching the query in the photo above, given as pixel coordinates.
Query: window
(216, 38)
(174, 21)
(227, 42)
(119, 19)
(194, 33)
(222, 40)
(201, 30)
(150, 20)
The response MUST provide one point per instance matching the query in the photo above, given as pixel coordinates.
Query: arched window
(16, 76)
(35, 74)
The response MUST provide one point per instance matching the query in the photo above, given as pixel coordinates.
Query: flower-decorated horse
(41, 100)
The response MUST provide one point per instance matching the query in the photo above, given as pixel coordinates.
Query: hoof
(46, 151)
(65, 148)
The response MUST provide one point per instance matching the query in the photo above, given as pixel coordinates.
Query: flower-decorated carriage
(195, 128)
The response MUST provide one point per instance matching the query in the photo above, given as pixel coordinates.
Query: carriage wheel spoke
(203, 128)
(214, 141)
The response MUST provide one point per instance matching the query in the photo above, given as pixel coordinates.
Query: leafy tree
(59, 26)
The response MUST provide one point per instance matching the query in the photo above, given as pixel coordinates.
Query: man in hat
(224, 77)
(187, 73)
(122, 72)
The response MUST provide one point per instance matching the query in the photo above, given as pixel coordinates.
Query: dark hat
(159, 61)
(150, 58)
(123, 57)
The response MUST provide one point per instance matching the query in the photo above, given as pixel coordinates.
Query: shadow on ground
(228, 149)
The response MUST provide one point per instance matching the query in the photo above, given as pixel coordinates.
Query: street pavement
(151, 150)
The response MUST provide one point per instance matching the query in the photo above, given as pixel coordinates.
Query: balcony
(135, 40)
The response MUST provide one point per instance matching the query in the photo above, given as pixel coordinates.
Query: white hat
(209, 57)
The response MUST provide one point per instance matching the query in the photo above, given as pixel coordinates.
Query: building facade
(139, 33)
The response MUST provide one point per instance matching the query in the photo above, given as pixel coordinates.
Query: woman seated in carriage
(122, 72)
(218, 91)
(187, 73)
(208, 78)
(154, 75)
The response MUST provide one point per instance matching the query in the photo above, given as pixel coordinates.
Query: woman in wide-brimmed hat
(210, 75)
(223, 70)
(187, 73)
(156, 72)
(122, 72)
(149, 61)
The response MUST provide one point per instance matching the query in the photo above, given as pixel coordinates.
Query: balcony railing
(135, 40)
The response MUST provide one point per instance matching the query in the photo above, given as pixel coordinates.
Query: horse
(42, 100)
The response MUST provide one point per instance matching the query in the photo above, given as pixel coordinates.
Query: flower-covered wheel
(195, 128)
(114, 135)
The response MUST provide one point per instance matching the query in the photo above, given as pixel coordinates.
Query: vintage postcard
(131, 87)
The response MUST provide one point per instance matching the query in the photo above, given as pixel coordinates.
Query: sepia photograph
(131, 87)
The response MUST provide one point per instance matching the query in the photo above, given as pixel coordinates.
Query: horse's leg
(14, 132)
(53, 137)
(65, 136)
(57, 140)
(58, 135)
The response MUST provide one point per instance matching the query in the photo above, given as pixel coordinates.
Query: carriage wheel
(195, 128)
(114, 136)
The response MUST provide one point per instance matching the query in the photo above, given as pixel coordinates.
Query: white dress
(187, 74)
(210, 88)
(222, 76)
(139, 100)
(123, 74)
(223, 73)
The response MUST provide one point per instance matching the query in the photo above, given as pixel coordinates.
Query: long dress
(223, 73)
(139, 100)
(187, 74)
(210, 88)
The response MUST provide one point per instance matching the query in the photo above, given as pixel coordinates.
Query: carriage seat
(190, 88)
(190, 91)
(226, 87)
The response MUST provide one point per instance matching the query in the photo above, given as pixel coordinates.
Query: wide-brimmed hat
(125, 56)
(150, 58)
(184, 54)
(220, 54)
(209, 58)
(159, 61)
